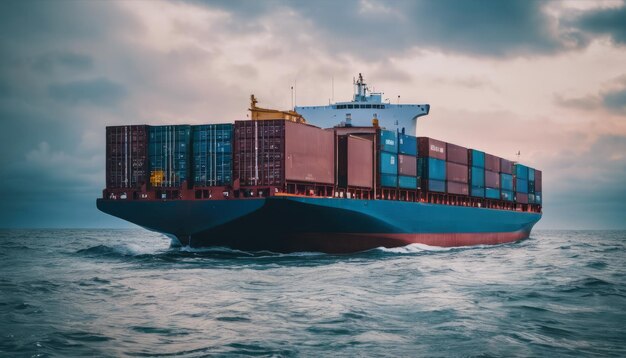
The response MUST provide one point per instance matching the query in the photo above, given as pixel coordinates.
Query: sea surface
(118, 293)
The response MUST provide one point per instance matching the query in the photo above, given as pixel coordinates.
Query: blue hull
(288, 224)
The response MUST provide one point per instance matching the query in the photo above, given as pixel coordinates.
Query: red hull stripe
(351, 242)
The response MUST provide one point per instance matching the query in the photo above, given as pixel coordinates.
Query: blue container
(437, 185)
(388, 163)
(492, 193)
(478, 158)
(531, 174)
(406, 182)
(389, 180)
(407, 144)
(531, 198)
(538, 198)
(388, 141)
(436, 169)
(521, 185)
(506, 181)
(521, 171)
(477, 191)
(478, 177)
(531, 187)
(212, 154)
(506, 195)
(169, 154)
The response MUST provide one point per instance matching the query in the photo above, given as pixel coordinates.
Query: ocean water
(128, 293)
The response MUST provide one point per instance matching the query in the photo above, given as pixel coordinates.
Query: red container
(127, 156)
(492, 179)
(271, 152)
(457, 188)
(355, 162)
(456, 154)
(407, 165)
(492, 163)
(521, 198)
(537, 181)
(506, 166)
(428, 147)
(456, 172)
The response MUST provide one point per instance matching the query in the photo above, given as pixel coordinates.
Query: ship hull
(292, 224)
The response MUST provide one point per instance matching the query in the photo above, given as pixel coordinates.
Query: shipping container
(355, 159)
(492, 179)
(506, 195)
(492, 163)
(506, 181)
(456, 172)
(406, 182)
(432, 148)
(212, 154)
(477, 178)
(127, 156)
(531, 198)
(457, 188)
(272, 152)
(492, 193)
(476, 158)
(531, 174)
(432, 168)
(438, 186)
(537, 181)
(407, 165)
(388, 141)
(478, 192)
(506, 166)
(521, 171)
(531, 187)
(521, 185)
(521, 198)
(169, 154)
(456, 154)
(388, 163)
(389, 180)
(407, 144)
(538, 198)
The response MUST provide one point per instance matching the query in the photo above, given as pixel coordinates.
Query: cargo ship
(342, 178)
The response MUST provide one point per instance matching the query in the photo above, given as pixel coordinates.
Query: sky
(545, 78)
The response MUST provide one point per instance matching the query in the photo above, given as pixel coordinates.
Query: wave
(116, 250)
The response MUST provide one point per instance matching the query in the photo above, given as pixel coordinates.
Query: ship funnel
(375, 120)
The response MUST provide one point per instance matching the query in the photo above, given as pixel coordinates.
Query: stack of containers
(355, 162)
(388, 158)
(272, 152)
(477, 173)
(492, 177)
(506, 180)
(537, 198)
(432, 164)
(521, 184)
(456, 170)
(212, 154)
(169, 155)
(126, 156)
(407, 161)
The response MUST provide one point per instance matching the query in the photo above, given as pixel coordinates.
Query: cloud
(605, 21)
(98, 91)
(612, 98)
(615, 101)
(589, 102)
(69, 60)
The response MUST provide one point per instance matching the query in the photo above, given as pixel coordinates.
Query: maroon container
(492, 163)
(521, 198)
(428, 147)
(407, 165)
(457, 188)
(456, 172)
(537, 181)
(506, 166)
(492, 179)
(127, 156)
(456, 154)
(270, 152)
(355, 162)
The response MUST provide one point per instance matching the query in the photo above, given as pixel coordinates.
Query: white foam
(413, 248)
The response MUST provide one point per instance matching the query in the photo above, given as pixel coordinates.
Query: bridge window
(350, 106)
(368, 106)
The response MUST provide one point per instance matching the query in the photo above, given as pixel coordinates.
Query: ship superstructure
(364, 106)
